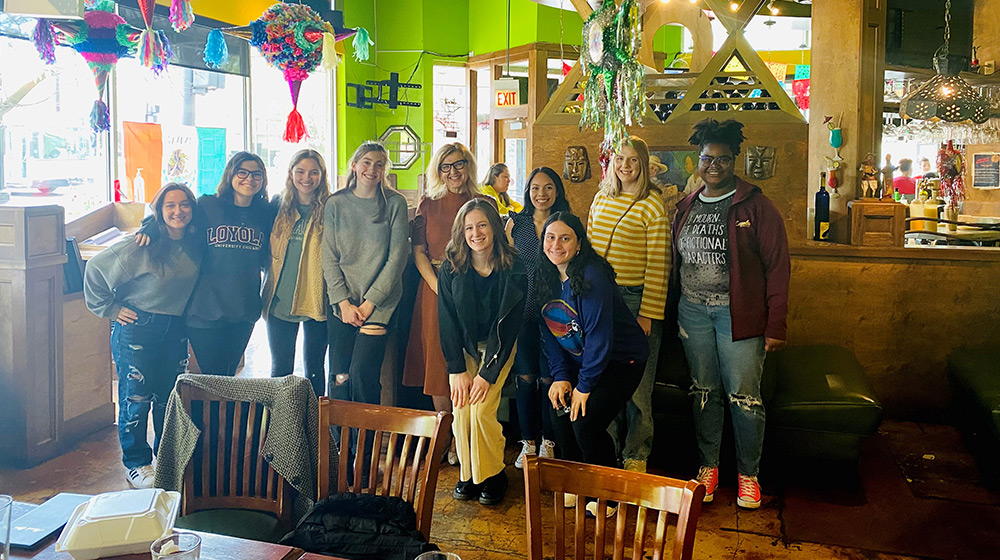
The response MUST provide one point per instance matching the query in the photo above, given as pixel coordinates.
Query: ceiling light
(946, 96)
(734, 6)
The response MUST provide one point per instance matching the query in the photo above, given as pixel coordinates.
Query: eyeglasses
(458, 166)
(723, 161)
(243, 174)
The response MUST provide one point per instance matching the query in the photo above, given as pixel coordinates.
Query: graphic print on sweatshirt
(235, 237)
(564, 323)
(703, 244)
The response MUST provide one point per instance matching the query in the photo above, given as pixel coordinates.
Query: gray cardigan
(363, 260)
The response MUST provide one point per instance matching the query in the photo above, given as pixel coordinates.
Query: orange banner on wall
(143, 151)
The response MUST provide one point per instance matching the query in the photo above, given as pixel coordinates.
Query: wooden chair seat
(637, 529)
(406, 444)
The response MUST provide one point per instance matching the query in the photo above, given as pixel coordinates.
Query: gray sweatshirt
(124, 276)
(364, 260)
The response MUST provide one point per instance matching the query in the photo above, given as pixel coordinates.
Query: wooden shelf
(893, 71)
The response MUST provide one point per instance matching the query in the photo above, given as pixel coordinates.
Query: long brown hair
(225, 188)
(367, 147)
(289, 200)
(458, 252)
(159, 246)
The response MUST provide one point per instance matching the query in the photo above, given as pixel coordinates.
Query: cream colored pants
(479, 437)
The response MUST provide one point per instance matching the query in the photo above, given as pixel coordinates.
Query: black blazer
(456, 318)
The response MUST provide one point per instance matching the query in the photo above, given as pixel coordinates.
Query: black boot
(494, 489)
(466, 490)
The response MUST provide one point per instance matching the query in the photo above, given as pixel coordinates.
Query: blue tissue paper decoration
(216, 50)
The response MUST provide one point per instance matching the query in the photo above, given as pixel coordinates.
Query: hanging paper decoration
(951, 168)
(101, 38)
(360, 43)
(181, 14)
(154, 48)
(289, 37)
(615, 88)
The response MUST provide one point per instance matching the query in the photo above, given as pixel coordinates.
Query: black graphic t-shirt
(703, 244)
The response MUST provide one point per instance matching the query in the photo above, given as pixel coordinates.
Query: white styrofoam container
(117, 523)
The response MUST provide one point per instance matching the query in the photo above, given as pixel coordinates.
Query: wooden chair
(408, 445)
(227, 471)
(636, 493)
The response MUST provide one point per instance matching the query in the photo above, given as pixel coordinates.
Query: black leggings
(587, 440)
(219, 350)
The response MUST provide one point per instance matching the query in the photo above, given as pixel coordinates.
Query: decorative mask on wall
(760, 162)
(576, 167)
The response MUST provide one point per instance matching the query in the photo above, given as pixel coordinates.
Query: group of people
(571, 314)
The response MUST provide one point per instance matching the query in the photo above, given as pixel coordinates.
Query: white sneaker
(609, 510)
(569, 500)
(141, 477)
(548, 449)
(527, 448)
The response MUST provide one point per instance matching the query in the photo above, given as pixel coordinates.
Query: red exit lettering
(506, 98)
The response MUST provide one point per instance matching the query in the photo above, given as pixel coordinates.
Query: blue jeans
(532, 381)
(149, 354)
(718, 363)
(632, 430)
(281, 337)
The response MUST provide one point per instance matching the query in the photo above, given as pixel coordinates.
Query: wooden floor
(473, 531)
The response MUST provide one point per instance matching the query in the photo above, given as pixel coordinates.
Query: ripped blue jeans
(149, 354)
(723, 370)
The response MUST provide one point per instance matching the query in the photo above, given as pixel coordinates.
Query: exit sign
(506, 92)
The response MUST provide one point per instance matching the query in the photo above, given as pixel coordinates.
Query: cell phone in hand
(564, 410)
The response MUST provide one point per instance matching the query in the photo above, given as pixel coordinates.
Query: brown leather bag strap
(611, 237)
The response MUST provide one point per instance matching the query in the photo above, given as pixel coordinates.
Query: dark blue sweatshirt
(585, 333)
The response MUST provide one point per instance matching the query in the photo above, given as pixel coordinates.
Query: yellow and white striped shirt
(639, 249)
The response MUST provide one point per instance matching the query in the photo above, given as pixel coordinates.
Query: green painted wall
(405, 28)
(668, 40)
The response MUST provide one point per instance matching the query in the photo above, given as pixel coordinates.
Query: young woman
(495, 185)
(729, 295)
(144, 290)
(365, 246)
(595, 348)
(293, 292)
(450, 184)
(524, 229)
(226, 301)
(482, 285)
(628, 226)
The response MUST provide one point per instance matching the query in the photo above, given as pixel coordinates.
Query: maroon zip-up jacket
(759, 266)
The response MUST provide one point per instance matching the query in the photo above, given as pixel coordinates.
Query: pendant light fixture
(946, 96)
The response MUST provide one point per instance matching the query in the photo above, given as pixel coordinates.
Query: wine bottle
(822, 232)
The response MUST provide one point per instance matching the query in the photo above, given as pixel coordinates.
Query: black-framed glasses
(457, 165)
(723, 161)
(244, 173)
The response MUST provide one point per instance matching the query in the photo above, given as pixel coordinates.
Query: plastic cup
(6, 506)
(437, 555)
(178, 546)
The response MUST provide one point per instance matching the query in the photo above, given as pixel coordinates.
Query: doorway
(512, 149)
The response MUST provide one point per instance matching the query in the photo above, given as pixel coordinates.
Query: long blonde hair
(367, 147)
(436, 187)
(612, 186)
(289, 205)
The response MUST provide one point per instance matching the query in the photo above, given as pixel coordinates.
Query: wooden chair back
(407, 448)
(643, 499)
(227, 470)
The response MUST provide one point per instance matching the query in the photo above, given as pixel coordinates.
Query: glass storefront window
(181, 126)
(271, 104)
(48, 153)
(451, 107)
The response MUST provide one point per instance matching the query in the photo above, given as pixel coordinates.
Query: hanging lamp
(946, 96)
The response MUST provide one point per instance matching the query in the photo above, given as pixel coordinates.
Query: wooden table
(213, 547)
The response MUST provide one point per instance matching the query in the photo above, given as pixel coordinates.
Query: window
(271, 103)
(451, 107)
(48, 153)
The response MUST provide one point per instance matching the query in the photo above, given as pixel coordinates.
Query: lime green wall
(668, 39)
(449, 27)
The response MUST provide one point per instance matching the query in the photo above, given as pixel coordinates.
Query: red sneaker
(749, 494)
(709, 476)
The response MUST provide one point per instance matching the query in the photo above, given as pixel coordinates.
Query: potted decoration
(951, 168)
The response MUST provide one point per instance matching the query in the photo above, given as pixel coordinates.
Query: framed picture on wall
(681, 163)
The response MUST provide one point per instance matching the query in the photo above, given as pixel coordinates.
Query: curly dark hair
(547, 283)
(711, 131)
